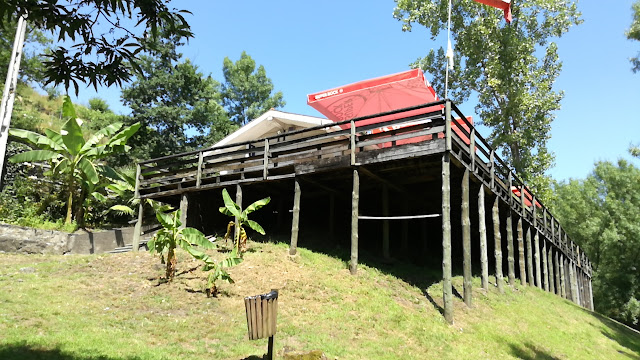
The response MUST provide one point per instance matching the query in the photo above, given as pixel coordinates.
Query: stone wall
(24, 240)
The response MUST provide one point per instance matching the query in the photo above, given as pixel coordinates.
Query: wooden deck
(357, 145)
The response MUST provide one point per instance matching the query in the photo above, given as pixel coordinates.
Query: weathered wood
(385, 223)
(558, 273)
(510, 252)
(492, 170)
(355, 199)
(254, 319)
(184, 209)
(563, 288)
(536, 258)
(472, 149)
(447, 291)
(136, 193)
(572, 283)
(552, 286)
(352, 143)
(529, 257)
(466, 240)
(297, 193)
(199, 174)
(265, 161)
(521, 259)
(591, 304)
(545, 264)
(497, 244)
(239, 203)
(482, 228)
(247, 306)
(135, 242)
(447, 125)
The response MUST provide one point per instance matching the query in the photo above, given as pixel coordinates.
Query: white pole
(9, 94)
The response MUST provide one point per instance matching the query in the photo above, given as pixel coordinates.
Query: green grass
(115, 307)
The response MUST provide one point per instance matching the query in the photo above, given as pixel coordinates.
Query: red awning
(374, 96)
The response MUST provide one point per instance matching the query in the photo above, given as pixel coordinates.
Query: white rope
(397, 217)
(449, 55)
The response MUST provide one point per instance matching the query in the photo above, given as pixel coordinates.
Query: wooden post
(529, 257)
(498, 244)
(522, 263)
(239, 203)
(135, 242)
(296, 217)
(545, 264)
(484, 262)
(447, 292)
(510, 252)
(492, 167)
(404, 246)
(536, 244)
(385, 223)
(572, 283)
(265, 160)
(558, 272)
(472, 149)
(552, 286)
(184, 208)
(355, 199)
(591, 295)
(352, 142)
(563, 288)
(199, 174)
(466, 239)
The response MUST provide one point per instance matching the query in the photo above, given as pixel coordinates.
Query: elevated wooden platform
(422, 145)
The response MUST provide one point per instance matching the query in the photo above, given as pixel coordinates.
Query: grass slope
(114, 307)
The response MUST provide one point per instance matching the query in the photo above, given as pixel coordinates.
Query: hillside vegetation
(116, 307)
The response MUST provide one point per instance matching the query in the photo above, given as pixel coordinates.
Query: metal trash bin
(262, 311)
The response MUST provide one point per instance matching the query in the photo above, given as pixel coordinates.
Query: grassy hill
(114, 307)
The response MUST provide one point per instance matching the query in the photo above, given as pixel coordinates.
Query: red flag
(504, 5)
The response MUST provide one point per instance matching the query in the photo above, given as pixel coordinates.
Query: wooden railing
(355, 143)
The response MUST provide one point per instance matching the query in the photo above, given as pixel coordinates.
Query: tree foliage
(601, 213)
(511, 68)
(72, 157)
(247, 91)
(175, 103)
(97, 57)
(634, 33)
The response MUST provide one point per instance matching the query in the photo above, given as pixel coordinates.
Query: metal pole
(9, 93)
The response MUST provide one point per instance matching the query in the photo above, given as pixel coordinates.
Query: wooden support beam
(498, 244)
(510, 251)
(522, 262)
(378, 178)
(492, 168)
(239, 203)
(529, 257)
(352, 143)
(572, 282)
(265, 160)
(482, 228)
(591, 294)
(536, 258)
(558, 272)
(355, 199)
(466, 240)
(552, 286)
(545, 264)
(563, 288)
(295, 223)
(184, 209)
(135, 242)
(447, 291)
(385, 223)
(472, 149)
(199, 174)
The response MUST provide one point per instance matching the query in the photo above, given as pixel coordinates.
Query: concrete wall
(24, 240)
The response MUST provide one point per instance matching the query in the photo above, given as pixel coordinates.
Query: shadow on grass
(620, 333)
(28, 352)
(528, 351)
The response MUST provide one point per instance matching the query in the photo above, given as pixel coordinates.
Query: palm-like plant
(73, 158)
(230, 208)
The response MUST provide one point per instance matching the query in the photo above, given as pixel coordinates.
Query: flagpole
(449, 55)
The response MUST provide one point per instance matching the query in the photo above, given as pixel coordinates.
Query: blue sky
(311, 46)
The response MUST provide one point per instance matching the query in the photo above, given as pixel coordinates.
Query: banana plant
(73, 157)
(230, 208)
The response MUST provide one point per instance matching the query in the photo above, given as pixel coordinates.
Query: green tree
(511, 69)
(72, 158)
(31, 67)
(634, 33)
(175, 103)
(95, 58)
(247, 91)
(601, 213)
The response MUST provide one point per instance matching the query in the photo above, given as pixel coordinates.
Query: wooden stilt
(466, 240)
(522, 263)
(498, 244)
(563, 288)
(184, 209)
(482, 228)
(385, 223)
(536, 258)
(558, 272)
(552, 287)
(447, 292)
(545, 264)
(572, 282)
(297, 192)
(591, 295)
(529, 257)
(355, 199)
(239, 202)
(510, 252)
(135, 242)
